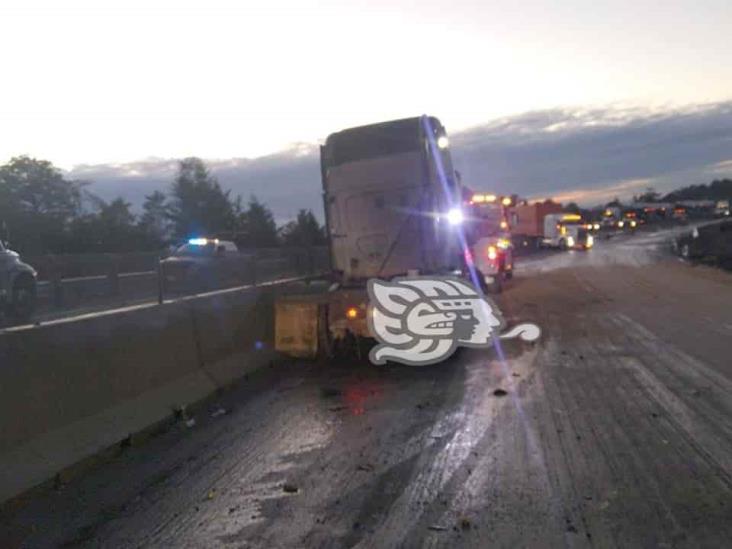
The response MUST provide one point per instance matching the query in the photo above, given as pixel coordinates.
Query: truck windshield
(367, 142)
(486, 219)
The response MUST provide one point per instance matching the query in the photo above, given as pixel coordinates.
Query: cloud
(583, 155)
(579, 153)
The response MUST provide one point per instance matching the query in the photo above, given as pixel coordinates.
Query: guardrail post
(159, 269)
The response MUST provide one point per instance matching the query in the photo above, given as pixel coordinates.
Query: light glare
(455, 216)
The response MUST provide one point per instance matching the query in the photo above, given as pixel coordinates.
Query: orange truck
(542, 224)
(527, 221)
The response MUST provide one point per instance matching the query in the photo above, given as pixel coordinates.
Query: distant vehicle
(488, 235)
(17, 286)
(204, 264)
(610, 217)
(712, 241)
(392, 208)
(629, 221)
(566, 231)
(527, 221)
(679, 214)
(721, 209)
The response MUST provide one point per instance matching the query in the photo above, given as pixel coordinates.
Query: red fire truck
(488, 236)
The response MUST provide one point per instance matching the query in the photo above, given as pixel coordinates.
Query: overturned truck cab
(392, 208)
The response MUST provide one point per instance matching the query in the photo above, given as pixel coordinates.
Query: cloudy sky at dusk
(541, 97)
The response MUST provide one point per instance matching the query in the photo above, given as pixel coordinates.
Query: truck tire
(495, 287)
(562, 244)
(22, 299)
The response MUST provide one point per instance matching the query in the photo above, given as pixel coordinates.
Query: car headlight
(695, 233)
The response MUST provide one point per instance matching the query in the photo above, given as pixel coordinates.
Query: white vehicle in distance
(566, 231)
(203, 264)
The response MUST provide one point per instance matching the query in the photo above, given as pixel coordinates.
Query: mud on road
(614, 430)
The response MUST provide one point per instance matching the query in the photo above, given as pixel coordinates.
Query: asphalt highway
(613, 430)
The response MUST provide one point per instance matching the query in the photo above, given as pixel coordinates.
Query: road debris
(465, 523)
(337, 408)
(191, 422)
(437, 528)
(219, 412)
(290, 488)
(499, 392)
(365, 467)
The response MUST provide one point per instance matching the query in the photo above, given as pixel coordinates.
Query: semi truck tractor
(527, 221)
(543, 224)
(392, 206)
(488, 235)
(566, 231)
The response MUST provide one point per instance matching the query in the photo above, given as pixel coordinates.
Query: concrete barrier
(70, 390)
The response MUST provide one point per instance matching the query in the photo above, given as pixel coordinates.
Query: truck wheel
(23, 299)
(562, 244)
(509, 274)
(495, 287)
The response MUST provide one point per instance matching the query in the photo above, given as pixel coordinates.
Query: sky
(115, 82)
(589, 156)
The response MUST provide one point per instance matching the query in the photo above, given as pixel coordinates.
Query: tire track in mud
(700, 420)
(621, 330)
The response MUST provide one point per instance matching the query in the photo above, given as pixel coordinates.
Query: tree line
(42, 211)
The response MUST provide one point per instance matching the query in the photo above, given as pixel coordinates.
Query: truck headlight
(455, 216)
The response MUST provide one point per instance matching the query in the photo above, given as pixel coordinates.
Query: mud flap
(296, 327)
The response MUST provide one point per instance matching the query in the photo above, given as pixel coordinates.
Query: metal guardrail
(116, 289)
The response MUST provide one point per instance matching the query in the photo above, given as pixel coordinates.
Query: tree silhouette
(154, 219)
(303, 231)
(37, 203)
(257, 225)
(199, 206)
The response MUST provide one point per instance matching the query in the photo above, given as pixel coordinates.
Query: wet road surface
(615, 430)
